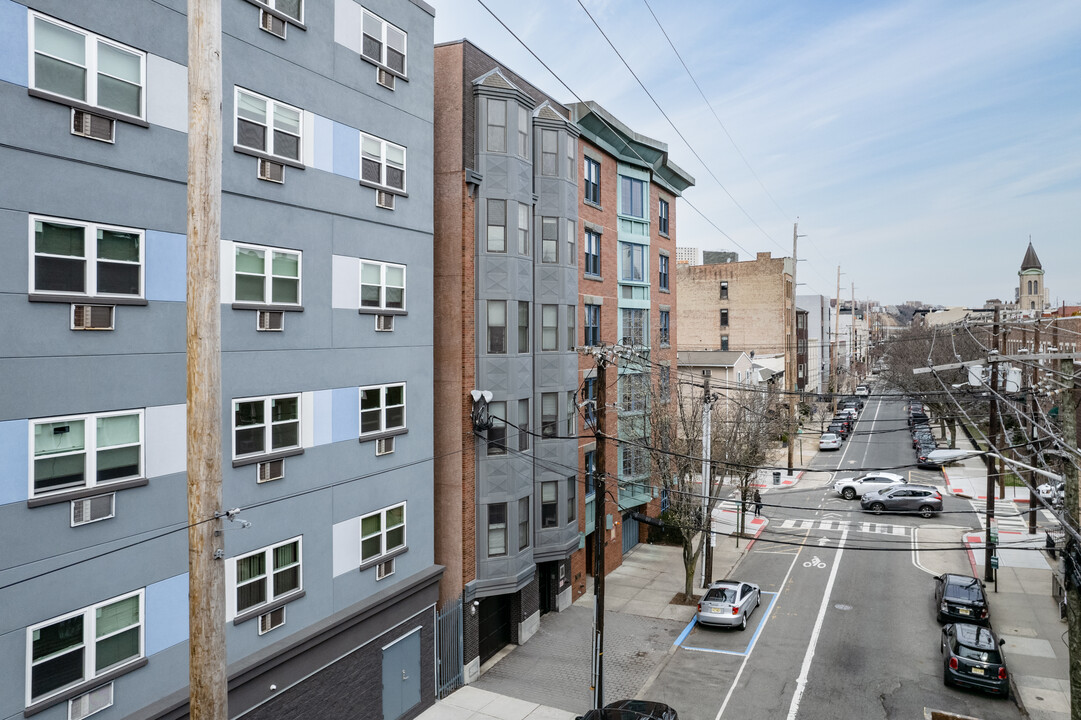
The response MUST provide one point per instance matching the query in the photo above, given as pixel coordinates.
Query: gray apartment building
(506, 238)
(327, 351)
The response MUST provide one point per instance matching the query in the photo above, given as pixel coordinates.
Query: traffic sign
(994, 562)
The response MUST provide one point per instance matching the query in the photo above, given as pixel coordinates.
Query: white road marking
(805, 670)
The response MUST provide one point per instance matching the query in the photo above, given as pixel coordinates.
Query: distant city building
(688, 256)
(1032, 297)
(718, 257)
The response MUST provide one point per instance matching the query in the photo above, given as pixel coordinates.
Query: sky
(918, 144)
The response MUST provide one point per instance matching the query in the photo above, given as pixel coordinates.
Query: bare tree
(746, 424)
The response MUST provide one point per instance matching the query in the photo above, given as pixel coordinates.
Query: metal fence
(448, 643)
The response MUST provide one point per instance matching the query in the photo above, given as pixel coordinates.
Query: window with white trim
(265, 425)
(549, 152)
(382, 285)
(549, 327)
(267, 126)
(76, 648)
(78, 65)
(523, 326)
(524, 213)
(293, 9)
(549, 239)
(382, 408)
(549, 417)
(593, 253)
(631, 194)
(635, 326)
(523, 424)
(592, 177)
(662, 216)
(497, 529)
(572, 158)
(497, 225)
(267, 275)
(383, 43)
(85, 451)
(523, 132)
(497, 433)
(572, 236)
(523, 523)
(497, 125)
(382, 162)
(267, 576)
(634, 263)
(549, 504)
(497, 327)
(85, 259)
(382, 533)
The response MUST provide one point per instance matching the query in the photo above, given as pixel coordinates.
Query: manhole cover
(841, 606)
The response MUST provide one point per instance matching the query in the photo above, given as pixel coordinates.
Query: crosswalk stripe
(835, 525)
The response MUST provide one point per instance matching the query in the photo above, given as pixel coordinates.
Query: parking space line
(763, 614)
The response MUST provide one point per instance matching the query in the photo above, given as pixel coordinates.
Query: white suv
(852, 488)
(862, 391)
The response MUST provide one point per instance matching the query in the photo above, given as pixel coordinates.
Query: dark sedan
(632, 710)
(971, 657)
(961, 598)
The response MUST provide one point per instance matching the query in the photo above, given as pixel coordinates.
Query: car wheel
(946, 676)
(743, 623)
(758, 600)
(927, 511)
(848, 493)
(877, 508)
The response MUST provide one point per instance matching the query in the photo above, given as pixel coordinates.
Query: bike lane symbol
(814, 562)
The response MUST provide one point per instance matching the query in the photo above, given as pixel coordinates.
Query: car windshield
(725, 595)
(961, 589)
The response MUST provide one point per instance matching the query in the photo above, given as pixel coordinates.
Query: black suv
(631, 710)
(961, 598)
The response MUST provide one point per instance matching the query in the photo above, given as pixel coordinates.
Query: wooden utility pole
(599, 532)
(992, 440)
(793, 347)
(852, 331)
(206, 546)
(707, 489)
(1068, 414)
(1034, 377)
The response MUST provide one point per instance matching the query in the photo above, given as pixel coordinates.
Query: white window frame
(89, 645)
(90, 85)
(89, 258)
(383, 409)
(268, 273)
(382, 160)
(89, 450)
(383, 286)
(382, 60)
(273, 5)
(384, 551)
(268, 425)
(267, 577)
(268, 149)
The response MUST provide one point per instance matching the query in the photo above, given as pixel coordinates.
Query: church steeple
(1031, 262)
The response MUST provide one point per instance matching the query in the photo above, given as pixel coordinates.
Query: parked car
(1052, 493)
(924, 499)
(838, 428)
(631, 710)
(862, 391)
(829, 441)
(961, 598)
(852, 401)
(854, 487)
(729, 603)
(849, 412)
(972, 657)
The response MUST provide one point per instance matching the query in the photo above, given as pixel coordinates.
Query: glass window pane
(249, 260)
(250, 595)
(119, 95)
(395, 39)
(286, 265)
(497, 312)
(58, 437)
(59, 77)
(395, 298)
(396, 155)
(286, 555)
(119, 63)
(395, 538)
(286, 580)
(117, 430)
(250, 440)
(373, 26)
(285, 435)
(117, 649)
(55, 239)
(55, 473)
(59, 41)
(372, 547)
(287, 119)
(54, 674)
(118, 463)
(249, 288)
(113, 245)
(395, 276)
(249, 412)
(370, 273)
(285, 409)
(57, 637)
(115, 279)
(117, 616)
(371, 398)
(548, 492)
(396, 60)
(396, 395)
(250, 567)
(371, 147)
(249, 134)
(288, 7)
(395, 516)
(371, 524)
(59, 275)
(284, 290)
(251, 108)
(287, 146)
(395, 418)
(370, 295)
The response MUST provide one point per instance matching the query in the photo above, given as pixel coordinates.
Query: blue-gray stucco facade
(346, 607)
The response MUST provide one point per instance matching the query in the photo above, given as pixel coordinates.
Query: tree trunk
(689, 558)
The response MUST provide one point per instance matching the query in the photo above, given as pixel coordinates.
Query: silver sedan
(729, 603)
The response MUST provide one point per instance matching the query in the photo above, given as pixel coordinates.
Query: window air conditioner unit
(91, 126)
(273, 619)
(384, 446)
(271, 320)
(92, 509)
(384, 78)
(92, 317)
(384, 323)
(384, 569)
(89, 703)
(384, 199)
(272, 24)
(271, 470)
(272, 171)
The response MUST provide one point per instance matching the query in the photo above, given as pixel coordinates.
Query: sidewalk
(1023, 611)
